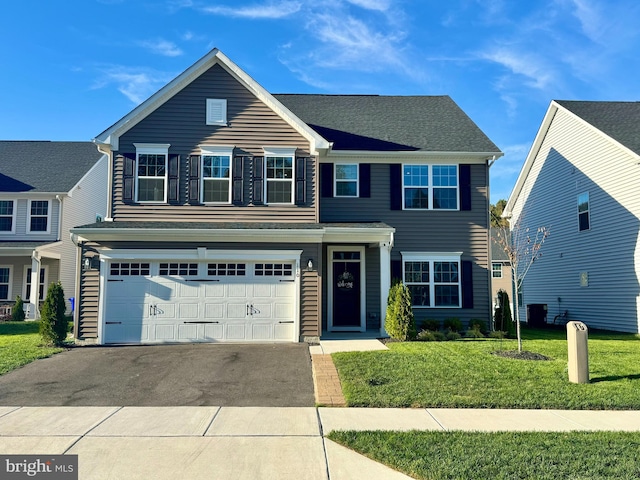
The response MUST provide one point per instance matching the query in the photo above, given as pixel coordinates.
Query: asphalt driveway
(165, 375)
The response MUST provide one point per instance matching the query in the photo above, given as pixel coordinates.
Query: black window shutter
(365, 180)
(467, 284)
(258, 180)
(174, 179)
(326, 180)
(301, 180)
(465, 186)
(129, 168)
(237, 186)
(194, 179)
(395, 184)
(396, 270)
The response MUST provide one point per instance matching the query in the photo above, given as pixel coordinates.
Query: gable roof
(44, 166)
(617, 121)
(390, 123)
(112, 134)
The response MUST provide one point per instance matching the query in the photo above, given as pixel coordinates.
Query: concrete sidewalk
(251, 442)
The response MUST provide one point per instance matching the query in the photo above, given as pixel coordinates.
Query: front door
(347, 289)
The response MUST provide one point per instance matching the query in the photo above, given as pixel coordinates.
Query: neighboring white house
(581, 180)
(46, 188)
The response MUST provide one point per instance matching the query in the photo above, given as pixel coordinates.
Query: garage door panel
(213, 332)
(283, 331)
(164, 332)
(283, 311)
(237, 290)
(283, 290)
(187, 332)
(236, 311)
(236, 332)
(261, 290)
(126, 333)
(214, 290)
(213, 310)
(189, 290)
(261, 331)
(262, 311)
(188, 311)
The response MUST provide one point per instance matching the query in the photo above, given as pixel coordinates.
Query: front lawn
(20, 344)
(503, 455)
(466, 374)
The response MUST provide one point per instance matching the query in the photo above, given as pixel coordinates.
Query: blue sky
(71, 68)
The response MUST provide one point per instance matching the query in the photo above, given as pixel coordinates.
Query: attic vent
(216, 111)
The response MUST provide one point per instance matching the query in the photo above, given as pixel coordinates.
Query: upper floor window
(430, 187)
(39, 216)
(7, 216)
(216, 111)
(5, 283)
(279, 174)
(583, 211)
(346, 180)
(496, 270)
(151, 173)
(434, 281)
(216, 174)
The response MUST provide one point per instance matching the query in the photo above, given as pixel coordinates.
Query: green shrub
(426, 336)
(53, 322)
(430, 324)
(502, 319)
(439, 336)
(17, 312)
(452, 323)
(498, 334)
(479, 324)
(451, 335)
(400, 323)
(474, 332)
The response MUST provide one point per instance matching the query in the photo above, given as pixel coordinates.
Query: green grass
(466, 374)
(20, 343)
(504, 455)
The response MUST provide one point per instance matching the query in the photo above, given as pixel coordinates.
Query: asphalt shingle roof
(497, 250)
(619, 120)
(44, 166)
(390, 123)
(231, 225)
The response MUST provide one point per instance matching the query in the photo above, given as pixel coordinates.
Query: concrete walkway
(251, 442)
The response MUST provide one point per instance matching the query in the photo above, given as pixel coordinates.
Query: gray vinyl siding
(427, 231)
(18, 267)
(180, 122)
(573, 159)
(22, 218)
(309, 284)
(87, 307)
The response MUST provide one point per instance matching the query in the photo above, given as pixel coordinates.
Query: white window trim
(280, 152)
(212, 103)
(431, 187)
(215, 150)
(49, 207)
(153, 149)
(27, 280)
(432, 257)
(588, 211)
(493, 271)
(13, 217)
(336, 180)
(9, 289)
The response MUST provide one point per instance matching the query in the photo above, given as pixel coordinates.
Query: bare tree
(522, 244)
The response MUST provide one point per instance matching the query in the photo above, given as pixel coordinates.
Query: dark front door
(346, 294)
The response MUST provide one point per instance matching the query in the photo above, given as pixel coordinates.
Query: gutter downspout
(105, 149)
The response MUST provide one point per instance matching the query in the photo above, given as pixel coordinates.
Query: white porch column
(33, 310)
(385, 282)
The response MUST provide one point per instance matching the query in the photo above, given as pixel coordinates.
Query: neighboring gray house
(46, 188)
(500, 270)
(581, 180)
(238, 215)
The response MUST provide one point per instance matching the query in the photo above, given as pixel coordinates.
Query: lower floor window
(433, 282)
(41, 281)
(5, 279)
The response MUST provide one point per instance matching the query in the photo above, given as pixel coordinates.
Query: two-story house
(238, 215)
(581, 180)
(46, 188)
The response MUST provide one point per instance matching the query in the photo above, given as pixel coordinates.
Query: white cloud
(162, 47)
(137, 84)
(271, 10)
(590, 19)
(380, 5)
(536, 71)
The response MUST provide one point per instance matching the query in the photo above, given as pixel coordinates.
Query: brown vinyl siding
(89, 294)
(427, 231)
(180, 122)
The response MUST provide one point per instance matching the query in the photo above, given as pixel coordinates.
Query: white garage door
(156, 302)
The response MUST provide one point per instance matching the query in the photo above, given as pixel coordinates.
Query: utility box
(537, 314)
(577, 339)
